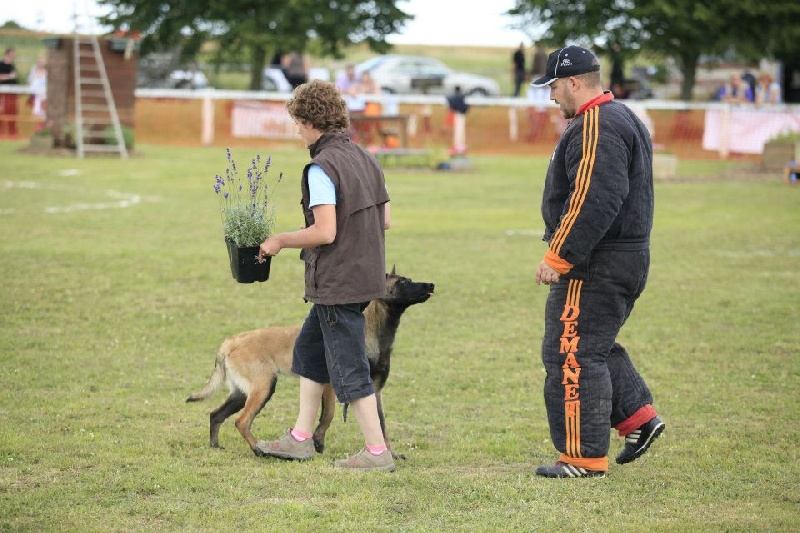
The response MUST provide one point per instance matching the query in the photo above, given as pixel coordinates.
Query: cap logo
(566, 62)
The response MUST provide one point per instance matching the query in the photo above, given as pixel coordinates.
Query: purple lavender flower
(241, 216)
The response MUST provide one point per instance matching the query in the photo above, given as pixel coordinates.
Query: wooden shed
(119, 58)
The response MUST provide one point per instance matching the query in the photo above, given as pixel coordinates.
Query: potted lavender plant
(247, 217)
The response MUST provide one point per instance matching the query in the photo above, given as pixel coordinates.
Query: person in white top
(37, 80)
(767, 90)
(347, 78)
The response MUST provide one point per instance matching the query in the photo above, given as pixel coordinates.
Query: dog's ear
(393, 273)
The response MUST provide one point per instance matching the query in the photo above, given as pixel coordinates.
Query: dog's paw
(319, 445)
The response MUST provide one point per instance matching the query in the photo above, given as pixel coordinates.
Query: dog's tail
(215, 381)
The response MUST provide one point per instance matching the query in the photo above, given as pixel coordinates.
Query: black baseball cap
(566, 62)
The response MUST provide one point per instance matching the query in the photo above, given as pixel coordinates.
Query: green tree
(257, 28)
(681, 29)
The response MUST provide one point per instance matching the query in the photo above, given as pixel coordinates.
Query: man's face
(561, 93)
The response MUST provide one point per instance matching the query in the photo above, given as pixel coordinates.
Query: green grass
(110, 318)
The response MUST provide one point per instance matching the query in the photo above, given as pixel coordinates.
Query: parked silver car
(398, 74)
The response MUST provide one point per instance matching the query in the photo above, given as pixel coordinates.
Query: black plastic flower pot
(245, 267)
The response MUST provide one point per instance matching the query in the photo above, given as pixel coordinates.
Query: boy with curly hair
(346, 210)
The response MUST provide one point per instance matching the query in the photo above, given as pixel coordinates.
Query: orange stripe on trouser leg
(598, 464)
(572, 424)
(571, 370)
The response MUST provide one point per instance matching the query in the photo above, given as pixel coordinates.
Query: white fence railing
(727, 128)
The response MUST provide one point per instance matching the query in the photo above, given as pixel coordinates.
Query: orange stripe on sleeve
(582, 180)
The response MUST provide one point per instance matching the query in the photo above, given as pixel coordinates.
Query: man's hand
(546, 275)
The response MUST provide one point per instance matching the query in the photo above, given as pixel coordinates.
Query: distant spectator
(295, 68)
(748, 78)
(617, 68)
(347, 78)
(368, 86)
(538, 114)
(736, 91)
(356, 92)
(8, 102)
(767, 90)
(619, 91)
(37, 80)
(363, 131)
(538, 62)
(518, 68)
(354, 98)
(277, 59)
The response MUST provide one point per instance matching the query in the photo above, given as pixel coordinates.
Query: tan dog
(250, 362)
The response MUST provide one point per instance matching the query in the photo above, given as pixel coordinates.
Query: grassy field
(116, 293)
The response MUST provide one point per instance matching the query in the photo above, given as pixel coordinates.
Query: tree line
(683, 30)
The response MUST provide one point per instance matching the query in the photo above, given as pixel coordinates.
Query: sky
(479, 23)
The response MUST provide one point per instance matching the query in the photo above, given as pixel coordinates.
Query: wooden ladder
(95, 110)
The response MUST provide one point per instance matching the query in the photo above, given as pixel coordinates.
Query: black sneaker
(567, 470)
(638, 440)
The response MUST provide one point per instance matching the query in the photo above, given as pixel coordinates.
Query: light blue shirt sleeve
(320, 187)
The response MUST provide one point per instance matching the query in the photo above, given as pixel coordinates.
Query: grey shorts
(330, 349)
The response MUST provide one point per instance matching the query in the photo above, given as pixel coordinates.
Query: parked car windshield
(370, 64)
(413, 74)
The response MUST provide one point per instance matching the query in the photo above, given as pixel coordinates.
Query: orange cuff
(556, 263)
(589, 463)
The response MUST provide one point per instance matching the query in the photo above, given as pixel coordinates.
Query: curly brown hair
(319, 104)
